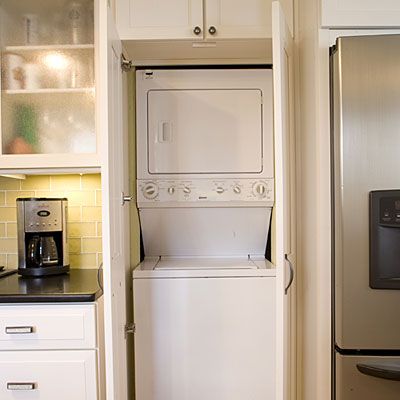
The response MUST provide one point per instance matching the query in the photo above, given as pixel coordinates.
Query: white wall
(314, 282)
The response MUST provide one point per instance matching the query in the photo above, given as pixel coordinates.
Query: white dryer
(204, 296)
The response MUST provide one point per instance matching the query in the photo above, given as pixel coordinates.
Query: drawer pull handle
(17, 330)
(21, 386)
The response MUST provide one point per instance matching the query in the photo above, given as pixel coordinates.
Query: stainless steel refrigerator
(365, 99)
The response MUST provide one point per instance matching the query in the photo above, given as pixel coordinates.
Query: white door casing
(282, 43)
(115, 213)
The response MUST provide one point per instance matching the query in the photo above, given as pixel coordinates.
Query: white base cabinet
(51, 351)
(48, 375)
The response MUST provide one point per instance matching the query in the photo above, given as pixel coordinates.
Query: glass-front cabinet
(48, 84)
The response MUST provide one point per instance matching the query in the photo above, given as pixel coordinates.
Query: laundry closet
(213, 189)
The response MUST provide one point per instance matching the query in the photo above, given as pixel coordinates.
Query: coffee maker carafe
(42, 236)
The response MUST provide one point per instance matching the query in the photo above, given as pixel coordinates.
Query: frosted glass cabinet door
(48, 77)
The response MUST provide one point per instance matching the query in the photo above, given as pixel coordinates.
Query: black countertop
(76, 286)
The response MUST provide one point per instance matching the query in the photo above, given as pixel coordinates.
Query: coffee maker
(42, 236)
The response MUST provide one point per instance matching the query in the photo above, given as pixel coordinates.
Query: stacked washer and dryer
(204, 295)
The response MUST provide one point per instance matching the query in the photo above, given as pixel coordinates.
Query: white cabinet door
(360, 13)
(160, 19)
(285, 229)
(48, 375)
(235, 19)
(115, 214)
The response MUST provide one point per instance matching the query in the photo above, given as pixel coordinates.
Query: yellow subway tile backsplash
(9, 183)
(74, 213)
(84, 214)
(91, 245)
(81, 229)
(36, 182)
(58, 194)
(65, 182)
(75, 246)
(12, 195)
(8, 246)
(83, 261)
(91, 181)
(12, 261)
(8, 214)
(98, 198)
(81, 198)
(2, 230)
(91, 214)
(11, 231)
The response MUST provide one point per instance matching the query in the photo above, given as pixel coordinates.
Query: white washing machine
(204, 296)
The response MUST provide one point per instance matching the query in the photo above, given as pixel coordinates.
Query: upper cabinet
(360, 13)
(195, 19)
(48, 84)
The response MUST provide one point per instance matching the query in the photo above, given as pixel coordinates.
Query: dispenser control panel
(165, 192)
(390, 211)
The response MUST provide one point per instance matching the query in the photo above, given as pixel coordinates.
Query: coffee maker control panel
(43, 216)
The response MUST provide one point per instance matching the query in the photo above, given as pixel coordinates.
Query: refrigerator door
(366, 126)
(367, 378)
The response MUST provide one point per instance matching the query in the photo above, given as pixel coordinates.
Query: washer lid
(203, 267)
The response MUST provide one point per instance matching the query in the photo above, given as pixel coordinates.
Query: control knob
(260, 189)
(150, 190)
(186, 190)
(171, 190)
(236, 189)
(220, 190)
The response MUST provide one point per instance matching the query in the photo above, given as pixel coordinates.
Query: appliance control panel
(43, 216)
(164, 192)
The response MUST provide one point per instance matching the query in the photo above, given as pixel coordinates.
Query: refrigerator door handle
(384, 371)
(291, 277)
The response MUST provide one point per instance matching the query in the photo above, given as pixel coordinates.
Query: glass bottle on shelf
(47, 77)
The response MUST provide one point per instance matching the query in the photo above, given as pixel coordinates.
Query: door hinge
(125, 198)
(130, 328)
(126, 65)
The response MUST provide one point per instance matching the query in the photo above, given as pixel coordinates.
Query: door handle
(384, 371)
(21, 386)
(18, 330)
(291, 278)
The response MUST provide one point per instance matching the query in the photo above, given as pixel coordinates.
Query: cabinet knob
(212, 30)
(197, 30)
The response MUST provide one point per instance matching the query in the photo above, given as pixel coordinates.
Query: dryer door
(197, 131)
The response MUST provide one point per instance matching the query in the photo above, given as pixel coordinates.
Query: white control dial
(220, 190)
(150, 190)
(236, 189)
(171, 190)
(186, 190)
(260, 189)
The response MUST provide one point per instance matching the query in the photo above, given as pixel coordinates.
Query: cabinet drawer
(48, 375)
(47, 327)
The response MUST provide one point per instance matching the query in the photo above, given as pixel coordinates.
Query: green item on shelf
(26, 123)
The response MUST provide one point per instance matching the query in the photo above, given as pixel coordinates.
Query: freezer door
(367, 378)
(366, 94)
